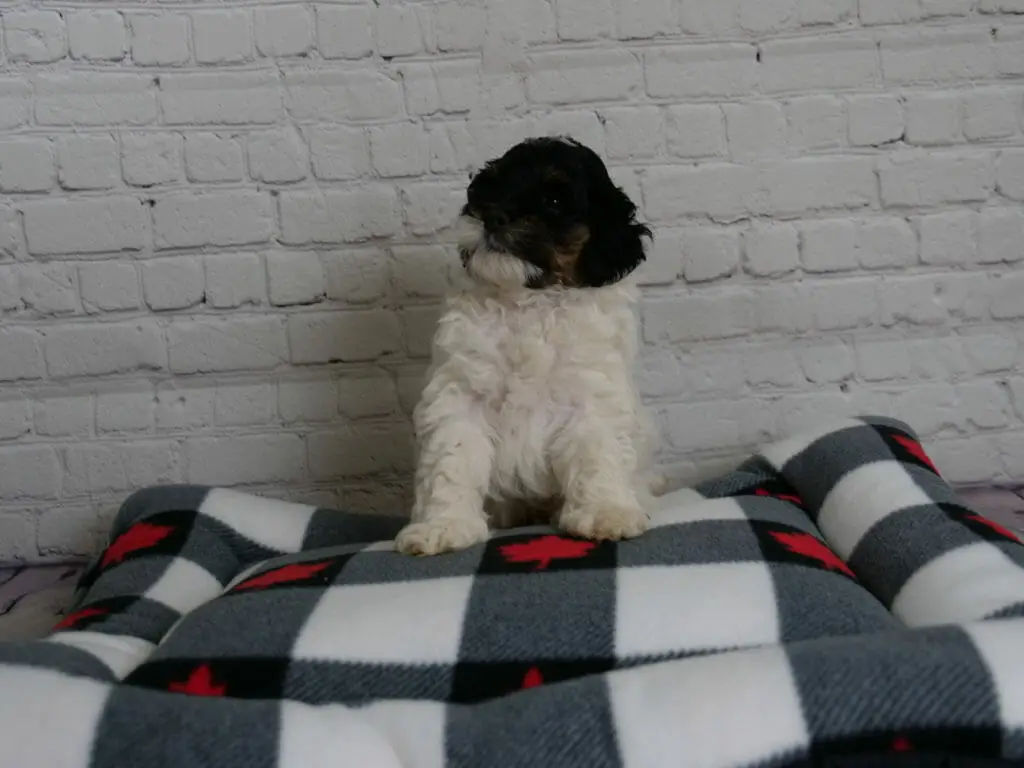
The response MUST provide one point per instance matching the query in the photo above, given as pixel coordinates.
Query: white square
(120, 653)
(695, 509)
(415, 729)
(184, 586)
(964, 584)
(408, 622)
(1000, 643)
(726, 709)
(49, 718)
(277, 525)
(862, 498)
(670, 609)
(309, 733)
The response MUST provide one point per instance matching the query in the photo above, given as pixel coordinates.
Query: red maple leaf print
(790, 497)
(74, 618)
(199, 683)
(805, 544)
(284, 574)
(902, 744)
(532, 678)
(139, 536)
(995, 527)
(914, 449)
(545, 549)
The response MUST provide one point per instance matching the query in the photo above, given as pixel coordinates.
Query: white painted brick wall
(223, 228)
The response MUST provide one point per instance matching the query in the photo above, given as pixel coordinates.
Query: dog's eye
(552, 203)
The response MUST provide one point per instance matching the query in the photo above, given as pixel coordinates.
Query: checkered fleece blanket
(830, 600)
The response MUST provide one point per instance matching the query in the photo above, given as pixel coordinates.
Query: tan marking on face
(566, 256)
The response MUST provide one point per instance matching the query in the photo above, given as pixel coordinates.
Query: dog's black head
(546, 213)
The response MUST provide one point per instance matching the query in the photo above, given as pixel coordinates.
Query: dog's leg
(451, 482)
(596, 471)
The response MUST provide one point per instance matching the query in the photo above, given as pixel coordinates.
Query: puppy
(530, 408)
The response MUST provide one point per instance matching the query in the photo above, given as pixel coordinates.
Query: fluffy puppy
(530, 407)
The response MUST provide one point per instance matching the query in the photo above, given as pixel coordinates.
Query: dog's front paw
(604, 521)
(445, 534)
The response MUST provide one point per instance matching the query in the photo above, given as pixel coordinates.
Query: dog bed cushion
(831, 599)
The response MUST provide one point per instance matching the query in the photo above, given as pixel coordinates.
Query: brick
(418, 327)
(632, 132)
(10, 231)
(242, 405)
(754, 129)
(26, 165)
(10, 291)
(458, 26)
(701, 71)
(771, 249)
(933, 119)
(37, 37)
(49, 289)
(990, 114)
(937, 56)
(446, 86)
(278, 156)
(825, 362)
(882, 359)
(431, 208)
(887, 242)
(400, 30)
(78, 531)
(912, 178)
(88, 161)
(87, 225)
(829, 245)
(574, 77)
(931, 408)
(108, 286)
(338, 216)
(948, 238)
(342, 336)
(770, 367)
(819, 183)
(1001, 6)
(148, 159)
(94, 98)
(125, 411)
(367, 396)
(816, 122)
(834, 63)
(641, 19)
(344, 32)
(29, 471)
(159, 40)
(722, 315)
(99, 349)
(1009, 51)
(844, 304)
(234, 279)
(68, 415)
(359, 450)
(1017, 391)
(705, 426)
(875, 119)
(1008, 297)
(578, 20)
(210, 157)
(229, 98)
(399, 149)
(283, 30)
(1000, 235)
(724, 192)
(890, 11)
(339, 153)
(117, 467)
(991, 352)
(15, 418)
(965, 460)
(213, 218)
(97, 35)
(582, 125)
(917, 301)
(182, 407)
(356, 277)
(173, 283)
(295, 278)
(237, 344)
(1010, 173)
(947, 7)
(695, 130)
(812, 12)
(308, 402)
(985, 404)
(709, 253)
(222, 36)
(342, 95)
(15, 96)
(422, 271)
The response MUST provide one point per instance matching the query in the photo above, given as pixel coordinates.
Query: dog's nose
(497, 219)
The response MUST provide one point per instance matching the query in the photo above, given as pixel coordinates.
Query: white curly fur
(530, 407)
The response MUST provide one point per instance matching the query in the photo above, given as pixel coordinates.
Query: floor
(32, 597)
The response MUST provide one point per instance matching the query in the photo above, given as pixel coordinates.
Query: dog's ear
(616, 244)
